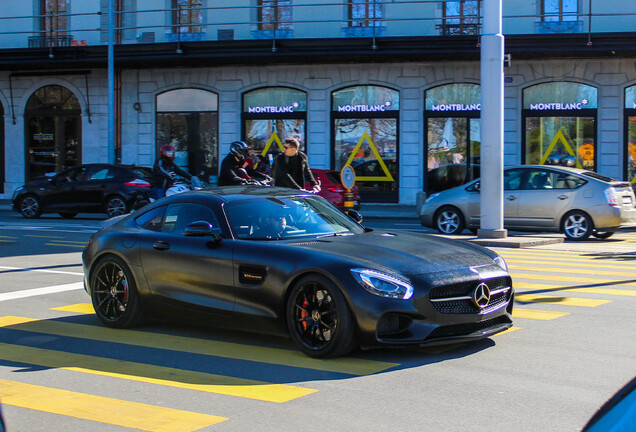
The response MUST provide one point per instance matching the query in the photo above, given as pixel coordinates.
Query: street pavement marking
(65, 244)
(80, 308)
(586, 290)
(6, 241)
(43, 236)
(159, 375)
(567, 301)
(41, 291)
(537, 314)
(561, 269)
(510, 330)
(579, 279)
(33, 269)
(570, 263)
(292, 358)
(111, 411)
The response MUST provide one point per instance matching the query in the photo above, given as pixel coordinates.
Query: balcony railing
(309, 20)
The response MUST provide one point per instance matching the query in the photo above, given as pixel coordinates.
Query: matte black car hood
(407, 253)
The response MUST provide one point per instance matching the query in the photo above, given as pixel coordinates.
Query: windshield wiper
(336, 234)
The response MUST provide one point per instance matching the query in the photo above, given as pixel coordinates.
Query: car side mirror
(201, 229)
(356, 216)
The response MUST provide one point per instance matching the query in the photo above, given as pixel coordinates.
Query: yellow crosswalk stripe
(537, 314)
(111, 411)
(166, 376)
(43, 236)
(567, 301)
(562, 278)
(562, 269)
(586, 290)
(538, 263)
(65, 244)
(81, 308)
(347, 365)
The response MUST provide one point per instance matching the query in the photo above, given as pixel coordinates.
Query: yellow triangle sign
(272, 138)
(559, 137)
(365, 137)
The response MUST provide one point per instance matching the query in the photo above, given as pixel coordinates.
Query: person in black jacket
(291, 168)
(234, 169)
(165, 171)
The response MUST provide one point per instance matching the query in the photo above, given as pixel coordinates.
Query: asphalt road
(571, 348)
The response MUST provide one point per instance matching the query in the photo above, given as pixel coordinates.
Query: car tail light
(335, 189)
(612, 197)
(137, 183)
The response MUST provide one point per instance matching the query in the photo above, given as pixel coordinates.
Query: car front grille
(468, 328)
(458, 298)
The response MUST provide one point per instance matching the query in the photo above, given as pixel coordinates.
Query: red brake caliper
(304, 314)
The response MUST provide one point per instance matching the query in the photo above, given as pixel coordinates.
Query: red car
(332, 189)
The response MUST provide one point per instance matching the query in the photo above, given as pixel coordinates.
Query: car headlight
(501, 263)
(382, 284)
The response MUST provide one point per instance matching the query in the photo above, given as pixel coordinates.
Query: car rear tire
(68, 215)
(449, 220)
(114, 293)
(116, 206)
(602, 235)
(30, 207)
(319, 319)
(577, 225)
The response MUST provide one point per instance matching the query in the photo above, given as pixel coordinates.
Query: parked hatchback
(575, 202)
(91, 188)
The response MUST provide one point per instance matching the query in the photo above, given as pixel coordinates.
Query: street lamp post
(111, 83)
(492, 53)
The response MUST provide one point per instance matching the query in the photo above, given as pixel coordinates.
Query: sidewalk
(5, 205)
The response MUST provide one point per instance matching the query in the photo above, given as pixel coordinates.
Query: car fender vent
(309, 243)
(252, 275)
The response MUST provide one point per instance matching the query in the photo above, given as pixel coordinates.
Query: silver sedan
(575, 202)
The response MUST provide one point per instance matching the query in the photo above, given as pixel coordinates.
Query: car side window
(100, 174)
(568, 181)
(512, 179)
(71, 175)
(151, 220)
(540, 179)
(180, 215)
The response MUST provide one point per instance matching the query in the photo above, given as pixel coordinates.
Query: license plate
(627, 200)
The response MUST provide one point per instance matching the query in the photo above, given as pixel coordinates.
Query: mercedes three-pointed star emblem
(481, 296)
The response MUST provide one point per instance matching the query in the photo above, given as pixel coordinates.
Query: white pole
(492, 52)
(111, 84)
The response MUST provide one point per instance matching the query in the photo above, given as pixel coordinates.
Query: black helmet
(240, 150)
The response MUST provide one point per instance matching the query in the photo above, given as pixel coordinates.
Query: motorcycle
(181, 185)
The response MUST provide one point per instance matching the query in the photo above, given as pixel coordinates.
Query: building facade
(389, 87)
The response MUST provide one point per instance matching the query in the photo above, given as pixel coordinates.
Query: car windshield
(270, 218)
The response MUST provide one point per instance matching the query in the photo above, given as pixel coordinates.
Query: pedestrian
(291, 168)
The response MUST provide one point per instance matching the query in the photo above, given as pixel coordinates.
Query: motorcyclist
(166, 170)
(234, 167)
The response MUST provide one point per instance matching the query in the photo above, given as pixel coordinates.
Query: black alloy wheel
(577, 225)
(30, 207)
(114, 293)
(319, 319)
(116, 206)
(449, 220)
(602, 235)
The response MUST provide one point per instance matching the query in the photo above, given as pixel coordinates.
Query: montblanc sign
(456, 107)
(272, 109)
(364, 108)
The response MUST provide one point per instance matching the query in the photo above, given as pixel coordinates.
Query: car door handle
(562, 197)
(511, 198)
(161, 245)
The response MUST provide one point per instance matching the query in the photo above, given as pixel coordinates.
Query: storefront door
(53, 131)
(629, 158)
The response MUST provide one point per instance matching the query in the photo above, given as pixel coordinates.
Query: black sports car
(90, 188)
(278, 260)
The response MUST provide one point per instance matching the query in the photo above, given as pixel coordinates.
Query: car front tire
(319, 319)
(30, 207)
(449, 220)
(114, 293)
(577, 225)
(116, 206)
(602, 235)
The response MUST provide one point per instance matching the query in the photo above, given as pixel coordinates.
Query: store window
(53, 131)
(452, 135)
(460, 17)
(188, 119)
(365, 135)
(630, 135)
(54, 17)
(270, 115)
(2, 178)
(364, 13)
(559, 121)
(187, 16)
